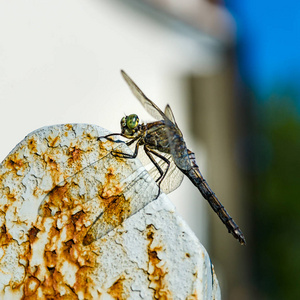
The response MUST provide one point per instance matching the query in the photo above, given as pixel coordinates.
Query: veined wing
(150, 106)
(173, 177)
(170, 116)
(83, 186)
(116, 193)
(176, 142)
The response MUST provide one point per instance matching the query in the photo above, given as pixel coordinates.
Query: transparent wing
(85, 185)
(76, 189)
(177, 145)
(115, 197)
(132, 200)
(150, 107)
(170, 116)
(174, 176)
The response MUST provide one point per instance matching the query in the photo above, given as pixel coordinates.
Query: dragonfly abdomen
(197, 179)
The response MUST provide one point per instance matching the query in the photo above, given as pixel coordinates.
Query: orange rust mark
(187, 255)
(116, 207)
(89, 238)
(50, 258)
(156, 273)
(75, 158)
(69, 126)
(110, 175)
(111, 185)
(5, 237)
(84, 282)
(117, 210)
(79, 222)
(32, 145)
(50, 287)
(53, 234)
(75, 153)
(78, 216)
(70, 252)
(11, 197)
(193, 296)
(13, 162)
(33, 234)
(117, 290)
(51, 162)
(55, 199)
(31, 285)
(82, 258)
(53, 282)
(58, 251)
(73, 253)
(52, 142)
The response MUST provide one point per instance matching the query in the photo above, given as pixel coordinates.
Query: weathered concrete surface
(53, 243)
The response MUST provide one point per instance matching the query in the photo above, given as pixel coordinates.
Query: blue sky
(269, 42)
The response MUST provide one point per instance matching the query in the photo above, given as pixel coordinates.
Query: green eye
(132, 121)
(123, 122)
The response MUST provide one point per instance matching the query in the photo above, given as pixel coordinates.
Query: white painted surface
(152, 254)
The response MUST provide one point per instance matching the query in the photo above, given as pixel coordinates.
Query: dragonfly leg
(132, 141)
(126, 155)
(109, 135)
(161, 172)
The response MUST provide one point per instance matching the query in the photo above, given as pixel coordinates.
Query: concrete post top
(78, 223)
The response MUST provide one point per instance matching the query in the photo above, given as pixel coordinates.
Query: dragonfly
(163, 143)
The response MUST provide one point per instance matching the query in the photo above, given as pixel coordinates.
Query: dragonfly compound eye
(123, 122)
(132, 121)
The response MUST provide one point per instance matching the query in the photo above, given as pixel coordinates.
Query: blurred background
(229, 70)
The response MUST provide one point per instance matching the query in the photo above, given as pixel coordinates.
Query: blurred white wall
(60, 63)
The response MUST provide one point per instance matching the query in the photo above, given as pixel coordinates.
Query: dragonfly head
(129, 124)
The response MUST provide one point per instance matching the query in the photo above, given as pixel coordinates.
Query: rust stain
(51, 163)
(117, 210)
(5, 237)
(64, 240)
(56, 197)
(50, 258)
(53, 142)
(117, 290)
(193, 296)
(54, 284)
(30, 287)
(32, 145)
(14, 162)
(84, 281)
(75, 153)
(156, 271)
(78, 216)
(71, 252)
(69, 127)
(11, 197)
(32, 234)
(111, 184)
